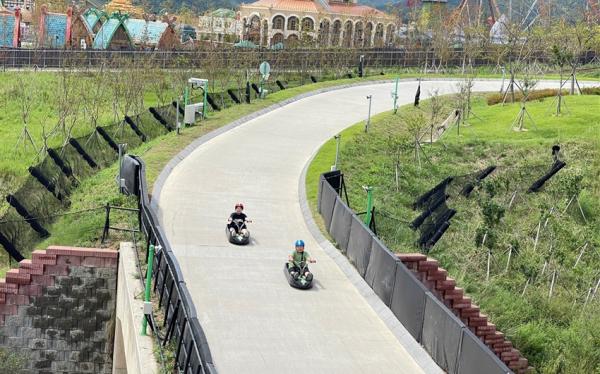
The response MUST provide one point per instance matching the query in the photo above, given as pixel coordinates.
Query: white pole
(337, 151)
(487, 276)
(552, 284)
(580, 254)
(369, 115)
(525, 288)
(537, 236)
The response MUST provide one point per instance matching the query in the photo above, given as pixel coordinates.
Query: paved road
(254, 322)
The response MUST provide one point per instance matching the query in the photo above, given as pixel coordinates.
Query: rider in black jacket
(238, 214)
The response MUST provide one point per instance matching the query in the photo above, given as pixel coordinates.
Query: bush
(496, 98)
(591, 90)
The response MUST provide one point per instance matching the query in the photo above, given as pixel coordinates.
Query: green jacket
(300, 258)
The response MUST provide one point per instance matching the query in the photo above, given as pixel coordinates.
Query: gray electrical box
(189, 117)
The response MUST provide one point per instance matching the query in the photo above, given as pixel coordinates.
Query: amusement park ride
(480, 12)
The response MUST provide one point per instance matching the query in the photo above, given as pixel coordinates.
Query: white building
(219, 26)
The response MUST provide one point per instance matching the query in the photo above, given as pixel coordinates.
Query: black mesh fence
(45, 193)
(443, 335)
(180, 323)
(303, 60)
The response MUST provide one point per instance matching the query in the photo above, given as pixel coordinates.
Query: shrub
(591, 90)
(496, 98)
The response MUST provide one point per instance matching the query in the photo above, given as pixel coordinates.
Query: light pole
(337, 138)
(177, 123)
(369, 115)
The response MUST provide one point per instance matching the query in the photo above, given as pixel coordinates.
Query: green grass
(552, 332)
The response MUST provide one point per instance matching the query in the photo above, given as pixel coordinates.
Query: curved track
(254, 321)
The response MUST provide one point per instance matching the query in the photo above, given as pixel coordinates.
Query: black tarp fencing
(408, 301)
(327, 203)
(359, 244)
(322, 182)
(45, 193)
(452, 346)
(442, 334)
(476, 358)
(340, 224)
(381, 271)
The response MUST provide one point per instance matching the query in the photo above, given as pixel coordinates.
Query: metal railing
(232, 58)
(180, 320)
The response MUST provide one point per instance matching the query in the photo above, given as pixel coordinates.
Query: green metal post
(148, 284)
(369, 205)
(396, 97)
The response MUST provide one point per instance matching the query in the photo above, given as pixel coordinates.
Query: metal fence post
(148, 285)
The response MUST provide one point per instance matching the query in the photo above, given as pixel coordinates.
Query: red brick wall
(436, 279)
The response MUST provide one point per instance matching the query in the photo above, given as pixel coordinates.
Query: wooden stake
(512, 199)
(537, 236)
(552, 284)
(509, 254)
(596, 289)
(580, 254)
(487, 276)
(544, 268)
(587, 297)
(547, 219)
(525, 288)
(581, 210)
(397, 178)
(569, 204)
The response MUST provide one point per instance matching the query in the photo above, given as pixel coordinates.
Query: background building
(220, 26)
(326, 23)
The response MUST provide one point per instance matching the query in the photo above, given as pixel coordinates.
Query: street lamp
(337, 151)
(369, 97)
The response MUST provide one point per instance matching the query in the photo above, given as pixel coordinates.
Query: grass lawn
(551, 328)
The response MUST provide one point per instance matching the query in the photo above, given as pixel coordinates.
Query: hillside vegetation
(543, 293)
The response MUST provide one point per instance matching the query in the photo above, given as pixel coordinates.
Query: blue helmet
(299, 243)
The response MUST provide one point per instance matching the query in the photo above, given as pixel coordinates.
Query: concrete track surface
(254, 321)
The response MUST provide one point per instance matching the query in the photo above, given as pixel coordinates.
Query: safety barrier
(192, 352)
(296, 59)
(451, 343)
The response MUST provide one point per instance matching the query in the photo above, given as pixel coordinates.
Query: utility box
(189, 118)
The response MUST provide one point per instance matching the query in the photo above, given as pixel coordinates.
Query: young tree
(26, 93)
(416, 123)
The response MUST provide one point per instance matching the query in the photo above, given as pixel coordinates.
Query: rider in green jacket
(298, 261)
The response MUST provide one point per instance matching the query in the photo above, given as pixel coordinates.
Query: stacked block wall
(436, 279)
(58, 310)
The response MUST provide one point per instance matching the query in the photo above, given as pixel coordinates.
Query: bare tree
(26, 92)
(416, 123)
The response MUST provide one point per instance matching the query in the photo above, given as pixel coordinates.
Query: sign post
(395, 97)
(265, 71)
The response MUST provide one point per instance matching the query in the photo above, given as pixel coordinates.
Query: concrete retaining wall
(133, 352)
(58, 310)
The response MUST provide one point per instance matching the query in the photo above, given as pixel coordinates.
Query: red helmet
(239, 205)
